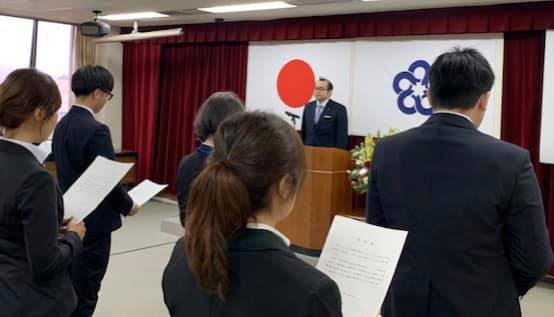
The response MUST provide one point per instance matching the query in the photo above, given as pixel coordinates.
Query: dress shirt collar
(324, 103)
(455, 113)
(37, 152)
(262, 226)
(84, 107)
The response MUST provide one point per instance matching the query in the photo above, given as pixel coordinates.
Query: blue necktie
(318, 111)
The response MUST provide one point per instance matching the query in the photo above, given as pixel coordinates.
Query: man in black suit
(471, 203)
(324, 121)
(78, 140)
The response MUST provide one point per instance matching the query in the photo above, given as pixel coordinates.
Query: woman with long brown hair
(232, 261)
(36, 244)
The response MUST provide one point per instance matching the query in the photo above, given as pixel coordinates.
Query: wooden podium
(326, 191)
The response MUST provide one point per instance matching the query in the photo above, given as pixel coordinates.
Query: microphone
(292, 115)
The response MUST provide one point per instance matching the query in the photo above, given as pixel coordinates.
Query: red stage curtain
(190, 73)
(141, 78)
(478, 19)
(521, 106)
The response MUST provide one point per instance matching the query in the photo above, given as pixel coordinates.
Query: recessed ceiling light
(133, 16)
(249, 7)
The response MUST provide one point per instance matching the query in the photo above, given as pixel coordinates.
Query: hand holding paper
(134, 210)
(93, 186)
(361, 259)
(144, 191)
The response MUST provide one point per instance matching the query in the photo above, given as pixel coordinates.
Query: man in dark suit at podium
(477, 238)
(324, 121)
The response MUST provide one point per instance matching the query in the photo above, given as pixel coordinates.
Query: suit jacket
(78, 139)
(471, 204)
(332, 128)
(266, 279)
(34, 260)
(189, 167)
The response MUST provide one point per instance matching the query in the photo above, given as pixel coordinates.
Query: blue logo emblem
(411, 87)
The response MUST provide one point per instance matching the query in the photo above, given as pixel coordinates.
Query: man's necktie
(318, 111)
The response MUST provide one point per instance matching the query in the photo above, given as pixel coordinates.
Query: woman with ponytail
(232, 261)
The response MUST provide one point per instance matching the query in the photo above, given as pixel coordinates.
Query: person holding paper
(471, 204)
(215, 109)
(37, 246)
(78, 140)
(232, 261)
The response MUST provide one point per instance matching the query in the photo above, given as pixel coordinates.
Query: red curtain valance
(482, 19)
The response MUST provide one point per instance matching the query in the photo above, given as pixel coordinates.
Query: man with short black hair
(324, 121)
(477, 238)
(78, 140)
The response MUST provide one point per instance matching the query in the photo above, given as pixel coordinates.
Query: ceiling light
(133, 16)
(249, 7)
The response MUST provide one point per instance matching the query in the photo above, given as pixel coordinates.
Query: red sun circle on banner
(296, 83)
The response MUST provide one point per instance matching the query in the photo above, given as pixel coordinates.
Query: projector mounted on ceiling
(95, 28)
(99, 30)
(135, 35)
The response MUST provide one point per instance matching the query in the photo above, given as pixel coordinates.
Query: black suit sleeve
(324, 301)
(526, 235)
(342, 128)
(47, 254)
(303, 126)
(375, 213)
(183, 184)
(100, 143)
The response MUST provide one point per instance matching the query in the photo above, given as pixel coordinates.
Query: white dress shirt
(455, 113)
(262, 226)
(84, 107)
(322, 104)
(37, 152)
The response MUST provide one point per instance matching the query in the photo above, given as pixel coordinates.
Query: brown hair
(22, 92)
(253, 151)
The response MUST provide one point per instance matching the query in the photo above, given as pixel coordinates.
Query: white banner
(390, 81)
(547, 119)
(294, 61)
(372, 77)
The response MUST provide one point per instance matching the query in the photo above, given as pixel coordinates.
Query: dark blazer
(78, 139)
(266, 279)
(332, 128)
(189, 167)
(34, 260)
(471, 204)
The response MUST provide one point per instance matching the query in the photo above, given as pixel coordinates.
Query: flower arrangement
(361, 155)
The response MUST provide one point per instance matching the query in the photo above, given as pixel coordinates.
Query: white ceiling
(78, 11)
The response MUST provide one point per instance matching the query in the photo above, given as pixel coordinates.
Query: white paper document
(93, 186)
(144, 191)
(361, 259)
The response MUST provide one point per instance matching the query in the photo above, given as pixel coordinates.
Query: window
(54, 57)
(17, 37)
(53, 47)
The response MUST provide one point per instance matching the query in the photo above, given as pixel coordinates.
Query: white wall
(547, 132)
(110, 55)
